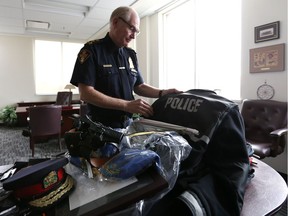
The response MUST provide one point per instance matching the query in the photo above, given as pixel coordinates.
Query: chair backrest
(64, 98)
(262, 117)
(45, 120)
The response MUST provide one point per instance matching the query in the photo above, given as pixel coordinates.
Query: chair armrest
(279, 132)
(279, 139)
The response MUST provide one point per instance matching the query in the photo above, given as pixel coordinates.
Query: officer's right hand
(139, 106)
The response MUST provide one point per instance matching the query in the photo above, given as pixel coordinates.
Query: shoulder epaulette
(130, 50)
(92, 42)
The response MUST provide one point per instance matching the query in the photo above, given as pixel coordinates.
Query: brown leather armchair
(265, 126)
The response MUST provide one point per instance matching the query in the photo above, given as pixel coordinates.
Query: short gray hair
(124, 12)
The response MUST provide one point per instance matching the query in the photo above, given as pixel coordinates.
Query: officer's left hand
(170, 91)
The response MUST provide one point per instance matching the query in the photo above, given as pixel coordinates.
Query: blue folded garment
(129, 163)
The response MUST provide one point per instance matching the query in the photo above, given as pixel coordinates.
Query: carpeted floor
(15, 147)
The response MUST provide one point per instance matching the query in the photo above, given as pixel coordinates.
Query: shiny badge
(131, 64)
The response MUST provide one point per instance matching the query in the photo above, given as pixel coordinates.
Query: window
(202, 46)
(54, 63)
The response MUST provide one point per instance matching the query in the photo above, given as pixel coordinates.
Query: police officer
(106, 73)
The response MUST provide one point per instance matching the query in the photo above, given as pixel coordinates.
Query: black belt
(121, 121)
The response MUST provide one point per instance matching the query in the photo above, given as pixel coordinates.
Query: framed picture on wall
(267, 32)
(267, 59)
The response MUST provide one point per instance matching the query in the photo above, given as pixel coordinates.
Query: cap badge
(50, 179)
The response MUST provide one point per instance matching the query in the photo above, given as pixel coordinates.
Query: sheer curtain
(202, 46)
(53, 65)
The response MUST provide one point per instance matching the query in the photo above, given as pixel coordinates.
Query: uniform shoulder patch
(83, 55)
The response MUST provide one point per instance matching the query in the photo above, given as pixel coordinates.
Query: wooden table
(264, 195)
(266, 192)
(22, 115)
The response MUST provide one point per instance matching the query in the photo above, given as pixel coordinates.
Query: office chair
(64, 98)
(44, 121)
(265, 126)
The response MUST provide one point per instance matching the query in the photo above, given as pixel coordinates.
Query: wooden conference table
(67, 111)
(264, 195)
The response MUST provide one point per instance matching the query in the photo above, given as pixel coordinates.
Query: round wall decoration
(265, 92)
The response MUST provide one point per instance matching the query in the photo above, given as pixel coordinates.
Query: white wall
(17, 83)
(148, 52)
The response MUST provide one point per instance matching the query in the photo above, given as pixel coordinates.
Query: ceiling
(71, 19)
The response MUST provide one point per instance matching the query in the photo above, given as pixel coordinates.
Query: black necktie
(120, 59)
(123, 75)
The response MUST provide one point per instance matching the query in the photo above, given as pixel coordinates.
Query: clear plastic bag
(169, 145)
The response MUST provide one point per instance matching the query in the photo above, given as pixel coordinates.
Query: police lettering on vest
(188, 104)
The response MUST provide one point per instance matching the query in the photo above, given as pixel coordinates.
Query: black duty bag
(213, 178)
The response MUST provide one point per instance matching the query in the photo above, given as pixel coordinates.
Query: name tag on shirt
(107, 66)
